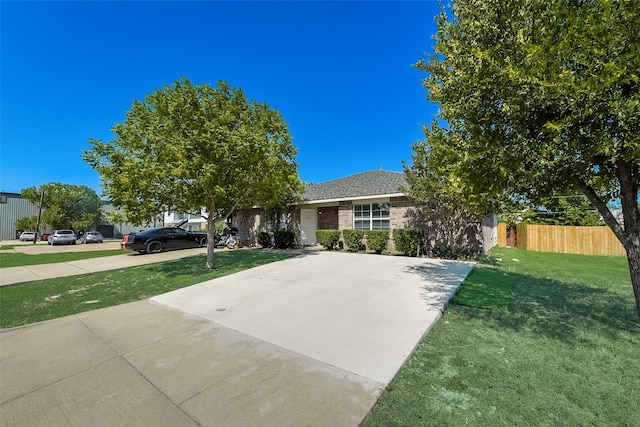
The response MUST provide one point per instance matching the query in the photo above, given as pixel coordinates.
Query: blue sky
(340, 73)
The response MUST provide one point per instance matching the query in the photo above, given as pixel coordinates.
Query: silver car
(92, 237)
(62, 237)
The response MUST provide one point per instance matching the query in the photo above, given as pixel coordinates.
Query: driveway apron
(312, 341)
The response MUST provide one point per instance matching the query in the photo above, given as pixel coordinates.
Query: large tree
(542, 97)
(77, 207)
(187, 147)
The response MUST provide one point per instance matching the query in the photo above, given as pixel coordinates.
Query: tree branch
(602, 207)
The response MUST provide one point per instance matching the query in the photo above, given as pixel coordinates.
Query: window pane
(380, 224)
(361, 225)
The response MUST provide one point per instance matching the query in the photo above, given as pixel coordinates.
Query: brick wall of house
(345, 215)
(248, 223)
(399, 211)
(328, 218)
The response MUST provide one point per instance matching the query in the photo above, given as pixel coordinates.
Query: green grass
(485, 288)
(18, 259)
(563, 352)
(49, 299)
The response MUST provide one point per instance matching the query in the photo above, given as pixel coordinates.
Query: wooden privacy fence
(565, 239)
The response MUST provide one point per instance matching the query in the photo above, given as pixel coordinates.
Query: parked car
(92, 237)
(62, 237)
(44, 237)
(164, 238)
(28, 236)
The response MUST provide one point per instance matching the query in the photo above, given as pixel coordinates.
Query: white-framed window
(371, 216)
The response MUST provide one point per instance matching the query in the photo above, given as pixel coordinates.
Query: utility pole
(39, 215)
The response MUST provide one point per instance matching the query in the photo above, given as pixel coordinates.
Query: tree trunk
(211, 238)
(633, 258)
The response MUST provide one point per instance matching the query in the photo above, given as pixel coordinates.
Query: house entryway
(308, 226)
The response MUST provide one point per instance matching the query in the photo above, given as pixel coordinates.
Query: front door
(308, 226)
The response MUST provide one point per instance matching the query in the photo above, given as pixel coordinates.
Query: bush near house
(377, 240)
(353, 240)
(284, 239)
(264, 239)
(328, 238)
(409, 240)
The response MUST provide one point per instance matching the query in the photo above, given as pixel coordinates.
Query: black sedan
(160, 239)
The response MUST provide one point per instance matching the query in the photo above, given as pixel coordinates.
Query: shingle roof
(370, 183)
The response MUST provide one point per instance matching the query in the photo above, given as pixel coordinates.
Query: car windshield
(65, 232)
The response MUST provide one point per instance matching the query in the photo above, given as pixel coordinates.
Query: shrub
(353, 240)
(377, 240)
(449, 251)
(284, 239)
(328, 238)
(264, 239)
(408, 240)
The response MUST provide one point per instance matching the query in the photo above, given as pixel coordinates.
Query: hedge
(328, 238)
(284, 239)
(353, 240)
(408, 240)
(377, 240)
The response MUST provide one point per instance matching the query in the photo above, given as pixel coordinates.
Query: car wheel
(203, 242)
(232, 242)
(73, 243)
(154, 247)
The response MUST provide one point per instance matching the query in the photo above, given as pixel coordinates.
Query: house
(371, 200)
(188, 221)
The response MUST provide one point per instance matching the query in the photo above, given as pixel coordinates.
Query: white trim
(342, 199)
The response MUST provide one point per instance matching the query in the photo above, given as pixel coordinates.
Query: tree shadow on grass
(544, 306)
(558, 310)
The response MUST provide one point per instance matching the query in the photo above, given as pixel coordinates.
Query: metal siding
(15, 209)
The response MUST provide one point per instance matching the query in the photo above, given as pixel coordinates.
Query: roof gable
(370, 183)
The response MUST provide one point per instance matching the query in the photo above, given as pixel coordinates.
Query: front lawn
(562, 350)
(49, 299)
(18, 259)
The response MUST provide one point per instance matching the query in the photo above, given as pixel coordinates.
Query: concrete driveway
(307, 341)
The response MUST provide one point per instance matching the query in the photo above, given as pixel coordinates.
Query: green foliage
(75, 207)
(353, 240)
(541, 97)
(328, 238)
(264, 239)
(284, 239)
(185, 147)
(377, 240)
(27, 223)
(409, 240)
(561, 210)
(450, 251)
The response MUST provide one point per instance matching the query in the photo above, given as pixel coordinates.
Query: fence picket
(564, 239)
